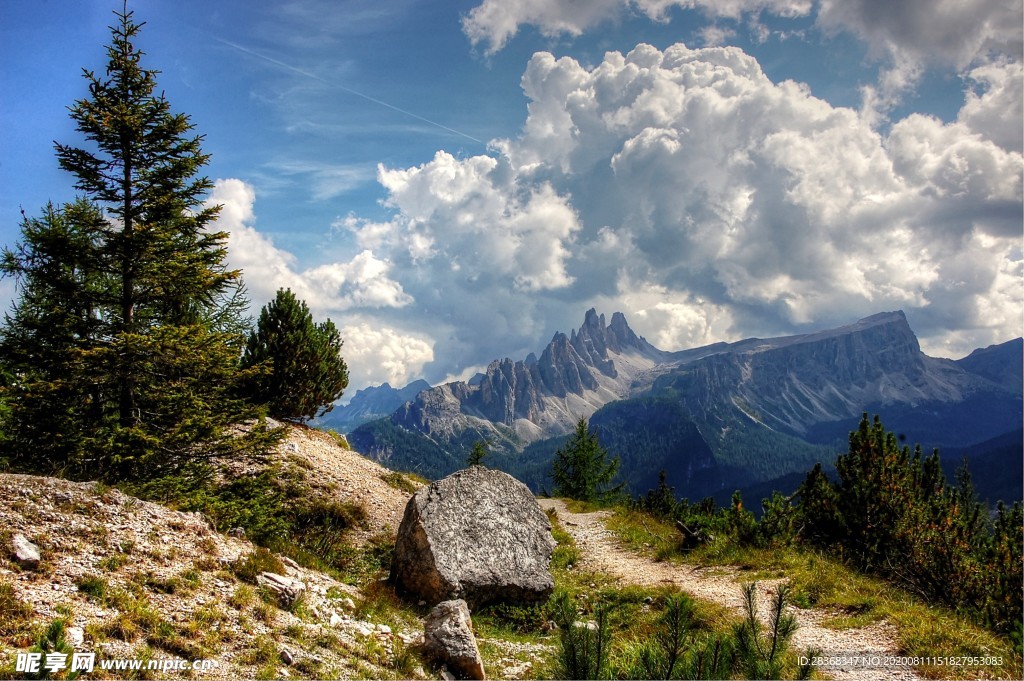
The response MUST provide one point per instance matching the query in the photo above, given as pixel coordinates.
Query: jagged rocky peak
(512, 390)
(595, 339)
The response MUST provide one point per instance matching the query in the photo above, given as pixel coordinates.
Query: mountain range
(714, 418)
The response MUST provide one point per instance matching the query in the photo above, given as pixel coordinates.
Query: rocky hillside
(136, 580)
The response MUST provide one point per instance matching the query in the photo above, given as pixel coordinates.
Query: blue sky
(453, 182)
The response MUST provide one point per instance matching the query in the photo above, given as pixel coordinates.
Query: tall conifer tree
(583, 469)
(139, 285)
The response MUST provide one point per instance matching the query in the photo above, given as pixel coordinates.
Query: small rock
(336, 619)
(26, 554)
(75, 636)
(384, 629)
(288, 591)
(448, 637)
(447, 675)
(286, 656)
(237, 532)
(289, 562)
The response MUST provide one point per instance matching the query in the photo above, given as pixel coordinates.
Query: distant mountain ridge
(762, 407)
(370, 404)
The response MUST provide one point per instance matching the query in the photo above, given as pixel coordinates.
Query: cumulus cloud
(361, 282)
(952, 33)
(376, 354)
(688, 190)
(685, 188)
(343, 291)
(495, 22)
(995, 108)
(907, 37)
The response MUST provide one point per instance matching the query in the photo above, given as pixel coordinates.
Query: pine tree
(478, 453)
(128, 291)
(582, 469)
(305, 372)
(48, 398)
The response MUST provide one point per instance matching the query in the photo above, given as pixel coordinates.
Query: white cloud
(343, 291)
(996, 108)
(495, 22)
(951, 32)
(460, 215)
(686, 189)
(906, 36)
(707, 202)
(376, 354)
(363, 282)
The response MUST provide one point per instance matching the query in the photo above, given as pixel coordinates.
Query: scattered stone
(336, 619)
(289, 562)
(447, 675)
(237, 532)
(478, 535)
(286, 656)
(75, 636)
(384, 629)
(288, 591)
(26, 554)
(448, 638)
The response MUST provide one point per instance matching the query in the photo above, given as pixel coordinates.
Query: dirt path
(602, 552)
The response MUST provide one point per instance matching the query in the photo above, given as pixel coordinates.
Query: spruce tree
(582, 469)
(478, 453)
(304, 372)
(128, 291)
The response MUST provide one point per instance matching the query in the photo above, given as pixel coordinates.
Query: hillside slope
(136, 580)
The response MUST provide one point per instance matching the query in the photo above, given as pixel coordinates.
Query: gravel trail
(602, 553)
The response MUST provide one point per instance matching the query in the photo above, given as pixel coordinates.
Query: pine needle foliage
(762, 646)
(305, 372)
(584, 646)
(123, 345)
(891, 512)
(583, 469)
(478, 453)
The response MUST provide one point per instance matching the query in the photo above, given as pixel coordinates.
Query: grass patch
(853, 599)
(249, 566)
(15, 617)
(645, 534)
(400, 481)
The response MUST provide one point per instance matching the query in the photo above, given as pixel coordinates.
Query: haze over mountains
(722, 416)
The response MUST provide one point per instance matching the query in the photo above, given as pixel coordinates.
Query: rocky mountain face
(792, 383)
(539, 396)
(731, 412)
